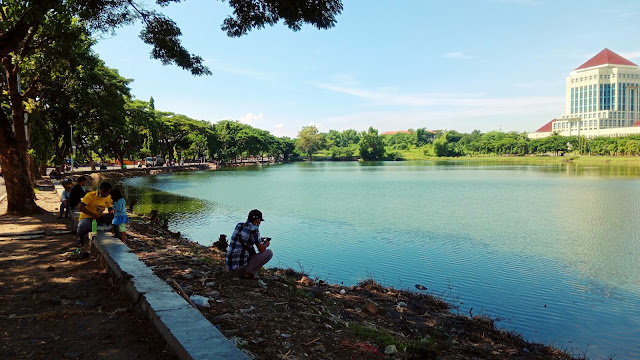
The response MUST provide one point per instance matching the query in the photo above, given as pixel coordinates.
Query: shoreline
(332, 319)
(154, 242)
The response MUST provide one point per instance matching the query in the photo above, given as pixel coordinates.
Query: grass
(416, 154)
(207, 260)
(423, 349)
(379, 337)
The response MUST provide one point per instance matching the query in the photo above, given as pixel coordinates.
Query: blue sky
(393, 65)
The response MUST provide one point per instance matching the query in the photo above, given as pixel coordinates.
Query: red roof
(637, 123)
(606, 57)
(394, 132)
(547, 127)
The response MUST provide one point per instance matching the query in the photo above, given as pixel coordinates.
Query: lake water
(553, 251)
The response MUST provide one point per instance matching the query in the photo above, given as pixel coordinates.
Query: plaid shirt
(245, 234)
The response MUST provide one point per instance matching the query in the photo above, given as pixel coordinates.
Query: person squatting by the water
(242, 258)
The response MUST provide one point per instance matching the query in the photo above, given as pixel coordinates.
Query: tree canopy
(37, 36)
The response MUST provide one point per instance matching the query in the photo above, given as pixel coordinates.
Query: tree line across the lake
(421, 143)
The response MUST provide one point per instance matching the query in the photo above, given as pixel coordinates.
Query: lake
(552, 251)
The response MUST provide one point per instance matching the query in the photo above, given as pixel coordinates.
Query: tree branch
(143, 15)
(33, 88)
(3, 15)
(30, 35)
(10, 40)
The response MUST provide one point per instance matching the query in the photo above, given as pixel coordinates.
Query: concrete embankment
(188, 333)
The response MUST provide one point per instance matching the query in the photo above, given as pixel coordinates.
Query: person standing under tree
(242, 259)
(120, 218)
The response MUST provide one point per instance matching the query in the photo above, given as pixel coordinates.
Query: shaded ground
(56, 308)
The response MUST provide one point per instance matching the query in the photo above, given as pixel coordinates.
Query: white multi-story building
(602, 99)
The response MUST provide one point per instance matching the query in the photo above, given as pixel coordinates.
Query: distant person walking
(120, 218)
(242, 258)
(77, 192)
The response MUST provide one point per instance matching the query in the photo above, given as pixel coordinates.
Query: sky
(394, 65)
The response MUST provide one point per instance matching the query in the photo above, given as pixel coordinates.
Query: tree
(371, 145)
(440, 146)
(423, 136)
(25, 33)
(173, 128)
(309, 140)
(223, 143)
(284, 146)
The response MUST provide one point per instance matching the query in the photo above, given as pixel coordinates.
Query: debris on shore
(289, 315)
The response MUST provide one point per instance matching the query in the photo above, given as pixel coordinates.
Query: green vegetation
(421, 144)
(51, 74)
(380, 337)
(426, 349)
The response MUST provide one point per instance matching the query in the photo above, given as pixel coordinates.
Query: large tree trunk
(13, 149)
(20, 199)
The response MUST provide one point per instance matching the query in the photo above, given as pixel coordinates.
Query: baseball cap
(255, 214)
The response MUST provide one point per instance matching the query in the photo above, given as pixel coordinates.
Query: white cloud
(631, 55)
(394, 110)
(533, 84)
(318, 125)
(517, 2)
(392, 97)
(258, 75)
(250, 118)
(344, 79)
(280, 130)
(457, 55)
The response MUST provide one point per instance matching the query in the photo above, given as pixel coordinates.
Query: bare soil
(57, 308)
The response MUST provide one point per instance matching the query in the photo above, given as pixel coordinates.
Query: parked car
(153, 161)
(103, 166)
(68, 162)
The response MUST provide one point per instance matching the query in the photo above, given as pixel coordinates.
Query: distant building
(405, 132)
(395, 132)
(601, 99)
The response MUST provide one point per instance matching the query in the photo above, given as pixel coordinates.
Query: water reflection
(168, 204)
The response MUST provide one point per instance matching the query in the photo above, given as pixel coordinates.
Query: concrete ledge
(185, 329)
(189, 334)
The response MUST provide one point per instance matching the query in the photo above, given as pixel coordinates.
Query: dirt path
(56, 308)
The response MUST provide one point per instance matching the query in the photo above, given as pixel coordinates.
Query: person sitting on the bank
(242, 258)
(56, 174)
(91, 208)
(77, 192)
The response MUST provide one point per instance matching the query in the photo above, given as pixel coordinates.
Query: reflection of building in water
(601, 99)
